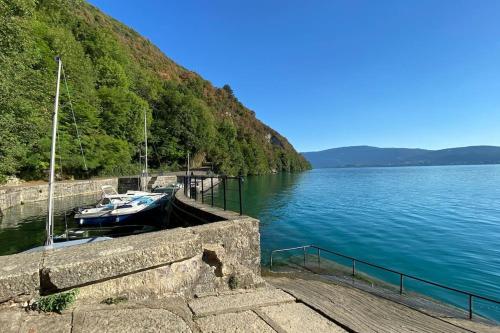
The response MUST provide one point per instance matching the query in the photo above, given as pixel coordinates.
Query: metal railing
(194, 187)
(402, 275)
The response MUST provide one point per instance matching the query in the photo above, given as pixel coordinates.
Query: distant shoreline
(367, 156)
(400, 166)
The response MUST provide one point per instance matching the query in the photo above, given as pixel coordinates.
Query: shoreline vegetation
(115, 77)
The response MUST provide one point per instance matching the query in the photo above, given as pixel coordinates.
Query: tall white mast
(146, 140)
(50, 219)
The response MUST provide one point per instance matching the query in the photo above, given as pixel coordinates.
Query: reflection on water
(23, 227)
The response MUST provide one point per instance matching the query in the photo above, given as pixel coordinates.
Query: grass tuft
(115, 300)
(56, 302)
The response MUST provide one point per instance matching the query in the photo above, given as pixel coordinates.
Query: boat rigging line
(74, 118)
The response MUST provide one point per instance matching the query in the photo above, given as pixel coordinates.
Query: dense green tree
(113, 78)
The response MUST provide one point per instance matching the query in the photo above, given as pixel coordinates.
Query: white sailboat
(49, 242)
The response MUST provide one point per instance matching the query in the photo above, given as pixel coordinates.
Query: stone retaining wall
(197, 260)
(11, 196)
(16, 195)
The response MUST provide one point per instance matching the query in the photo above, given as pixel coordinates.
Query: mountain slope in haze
(365, 156)
(115, 77)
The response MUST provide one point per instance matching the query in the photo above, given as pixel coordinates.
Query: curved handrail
(401, 274)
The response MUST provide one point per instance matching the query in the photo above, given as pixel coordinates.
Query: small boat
(137, 209)
(111, 197)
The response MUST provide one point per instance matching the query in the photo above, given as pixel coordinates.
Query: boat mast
(146, 140)
(50, 218)
(144, 176)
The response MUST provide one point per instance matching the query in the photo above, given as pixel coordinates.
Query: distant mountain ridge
(366, 156)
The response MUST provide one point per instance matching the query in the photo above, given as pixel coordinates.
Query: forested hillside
(115, 76)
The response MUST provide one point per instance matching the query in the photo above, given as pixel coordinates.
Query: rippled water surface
(438, 223)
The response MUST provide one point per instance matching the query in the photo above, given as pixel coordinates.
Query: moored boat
(143, 208)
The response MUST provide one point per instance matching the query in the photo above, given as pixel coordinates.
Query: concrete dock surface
(284, 305)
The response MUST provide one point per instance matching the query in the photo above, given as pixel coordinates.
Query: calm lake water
(23, 227)
(438, 223)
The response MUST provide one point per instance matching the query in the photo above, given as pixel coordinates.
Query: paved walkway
(262, 310)
(287, 305)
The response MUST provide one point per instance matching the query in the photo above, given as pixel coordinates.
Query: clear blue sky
(412, 73)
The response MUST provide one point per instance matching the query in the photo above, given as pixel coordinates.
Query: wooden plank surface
(363, 312)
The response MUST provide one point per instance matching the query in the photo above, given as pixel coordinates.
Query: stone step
(235, 302)
(296, 318)
(246, 321)
(128, 320)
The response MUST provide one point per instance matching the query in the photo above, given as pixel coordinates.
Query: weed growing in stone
(115, 300)
(56, 302)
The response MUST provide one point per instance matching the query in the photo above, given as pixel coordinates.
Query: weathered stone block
(129, 320)
(42, 323)
(298, 318)
(19, 274)
(10, 320)
(90, 263)
(182, 278)
(239, 238)
(246, 321)
(235, 302)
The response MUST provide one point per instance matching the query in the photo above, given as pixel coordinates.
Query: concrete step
(246, 321)
(296, 318)
(235, 302)
(129, 320)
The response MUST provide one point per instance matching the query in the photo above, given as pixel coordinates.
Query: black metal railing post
(401, 284)
(353, 267)
(195, 188)
(470, 306)
(212, 189)
(239, 190)
(304, 249)
(202, 192)
(319, 258)
(224, 178)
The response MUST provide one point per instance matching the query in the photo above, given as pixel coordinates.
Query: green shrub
(56, 302)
